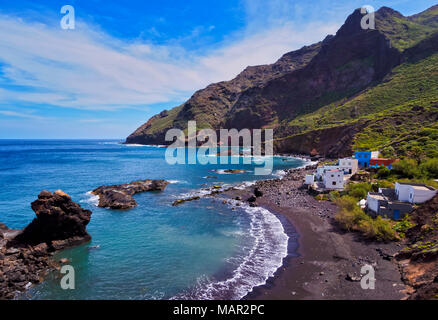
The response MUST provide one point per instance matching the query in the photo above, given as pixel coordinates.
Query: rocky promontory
(25, 255)
(120, 196)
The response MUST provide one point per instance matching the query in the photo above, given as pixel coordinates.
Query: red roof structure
(381, 162)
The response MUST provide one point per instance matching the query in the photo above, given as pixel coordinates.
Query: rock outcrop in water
(120, 196)
(60, 222)
(25, 255)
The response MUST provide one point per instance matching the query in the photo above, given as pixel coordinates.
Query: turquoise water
(201, 249)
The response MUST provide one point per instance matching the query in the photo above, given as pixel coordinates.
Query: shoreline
(325, 255)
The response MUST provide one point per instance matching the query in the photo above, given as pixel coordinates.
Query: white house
(334, 179)
(320, 171)
(309, 179)
(420, 194)
(349, 165)
(414, 192)
(373, 201)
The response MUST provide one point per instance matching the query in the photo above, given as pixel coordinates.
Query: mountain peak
(387, 12)
(352, 24)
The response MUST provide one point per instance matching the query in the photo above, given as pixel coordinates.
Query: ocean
(199, 250)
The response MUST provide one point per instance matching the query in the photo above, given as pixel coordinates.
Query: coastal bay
(329, 260)
(155, 250)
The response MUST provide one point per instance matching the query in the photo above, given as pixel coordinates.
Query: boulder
(58, 218)
(258, 193)
(26, 255)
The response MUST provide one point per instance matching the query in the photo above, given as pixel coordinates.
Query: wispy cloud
(86, 68)
(21, 115)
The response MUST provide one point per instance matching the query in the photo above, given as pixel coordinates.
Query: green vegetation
(405, 33)
(410, 170)
(352, 218)
(397, 115)
(402, 226)
(358, 191)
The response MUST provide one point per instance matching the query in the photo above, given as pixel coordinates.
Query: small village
(393, 203)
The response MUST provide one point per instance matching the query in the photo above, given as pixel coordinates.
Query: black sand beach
(330, 260)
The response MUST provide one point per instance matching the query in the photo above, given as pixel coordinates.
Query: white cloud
(87, 69)
(20, 115)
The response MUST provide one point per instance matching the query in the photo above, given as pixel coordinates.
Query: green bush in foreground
(358, 190)
(352, 218)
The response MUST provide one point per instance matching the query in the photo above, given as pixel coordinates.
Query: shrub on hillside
(382, 184)
(358, 190)
(378, 229)
(407, 168)
(429, 168)
(352, 218)
(383, 172)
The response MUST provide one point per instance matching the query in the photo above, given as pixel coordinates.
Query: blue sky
(127, 60)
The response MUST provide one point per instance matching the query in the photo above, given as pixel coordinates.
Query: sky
(125, 61)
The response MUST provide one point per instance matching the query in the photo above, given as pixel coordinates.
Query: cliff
(333, 96)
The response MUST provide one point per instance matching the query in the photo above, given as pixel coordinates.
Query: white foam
(259, 263)
(279, 173)
(144, 145)
(245, 185)
(176, 181)
(110, 142)
(92, 199)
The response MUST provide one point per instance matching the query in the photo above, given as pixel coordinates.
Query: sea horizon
(230, 233)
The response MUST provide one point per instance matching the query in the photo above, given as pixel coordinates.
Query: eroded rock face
(60, 222)
(120, 196)
(26, 255)
(419, 260)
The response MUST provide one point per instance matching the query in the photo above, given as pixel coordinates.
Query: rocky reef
(26, 255)
(120, 196)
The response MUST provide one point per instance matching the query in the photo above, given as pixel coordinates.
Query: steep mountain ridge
(321, 98)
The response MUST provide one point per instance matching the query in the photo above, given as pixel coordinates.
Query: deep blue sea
(200, 249)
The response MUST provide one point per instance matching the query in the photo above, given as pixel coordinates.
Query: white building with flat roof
(414, 192)
(334, 179)
(349, 165)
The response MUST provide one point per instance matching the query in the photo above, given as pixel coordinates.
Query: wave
(280, 174)
(177, 181)
(91, 199)
(143, 145)
(255, 267)
(111, 142)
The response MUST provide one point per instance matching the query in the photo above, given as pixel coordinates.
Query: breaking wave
(258, 262)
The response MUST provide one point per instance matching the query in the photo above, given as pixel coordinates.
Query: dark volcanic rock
(26, 255)
(419, 260)
(59, 220)
(120, 196)
(258, 193)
